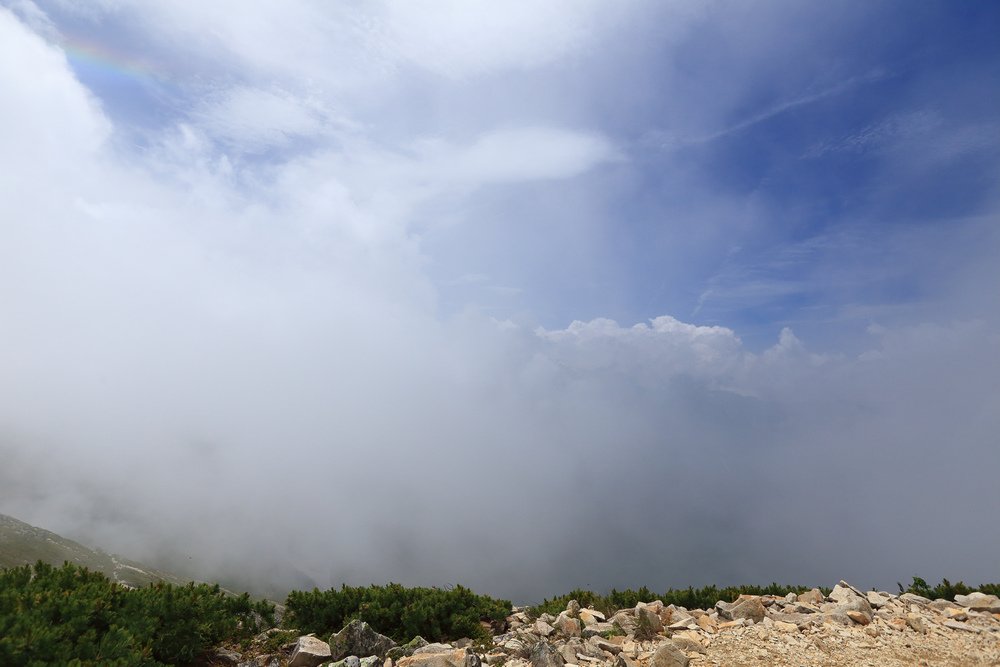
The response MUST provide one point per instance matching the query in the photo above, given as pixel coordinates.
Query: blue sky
(683, 241)
(799, 131)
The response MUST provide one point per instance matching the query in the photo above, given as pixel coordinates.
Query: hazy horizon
(522, 296)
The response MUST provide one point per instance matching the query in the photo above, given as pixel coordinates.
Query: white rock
(309, 652)
(876, 600)
(979, 602)
(591, 616)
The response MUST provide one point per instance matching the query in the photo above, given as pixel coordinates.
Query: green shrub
(399, 612)
(70, 615)
(946, 589)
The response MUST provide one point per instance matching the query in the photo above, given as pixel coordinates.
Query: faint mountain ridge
(23, 544)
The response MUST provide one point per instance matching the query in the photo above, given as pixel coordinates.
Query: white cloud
(458, 39)
(188, 333)
(661, 350)
(251, 119)
(49, 119)
(512, 156)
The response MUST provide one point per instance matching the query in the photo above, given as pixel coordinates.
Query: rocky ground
(848, 627)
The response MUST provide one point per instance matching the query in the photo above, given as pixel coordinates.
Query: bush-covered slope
(70, 615)
(436, 614)
(24, 544)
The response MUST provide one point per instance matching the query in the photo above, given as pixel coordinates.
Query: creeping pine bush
(436, 614)
(71, 616)
(946, 589)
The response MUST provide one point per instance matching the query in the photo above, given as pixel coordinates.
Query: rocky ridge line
(847, 627)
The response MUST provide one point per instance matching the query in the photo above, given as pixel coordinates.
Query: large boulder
(877, 600)
(651, 614)
(567, 625)
(542, 628)
(624, 619)
(599, 629)
(813, 597)
(309, 652)
(979, 602)
(358, 638)
(849, 606)
(843, 591)
(602, 644)
(687, 643)
(748, 607)
(543, 654)
(591, 616)
(669, 655)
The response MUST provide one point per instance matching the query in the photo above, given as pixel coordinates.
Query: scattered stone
(784, 626)
(858, 617)
(625, 619)
(604, 645)
(844, 584)
(544, 655)
(897, 624)
(913, 598)
(848, 628)
(979, 602)
(856, 604)
(728, 625)
(397, 652)
(567, 625)
(597, 629)
(568, 653)
(813, 597)
(917, 622)
(877, 600)
(542, 628)
(436, 647)
(843, 592)
(958, 625)
(955, 614)
(668, 655)
(462, 657)
(309, 652)
(687, 644)
(706, 623)
(749, 608)
(651, 614)
(801, 608)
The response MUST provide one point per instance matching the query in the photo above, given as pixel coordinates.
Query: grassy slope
(21, 544)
